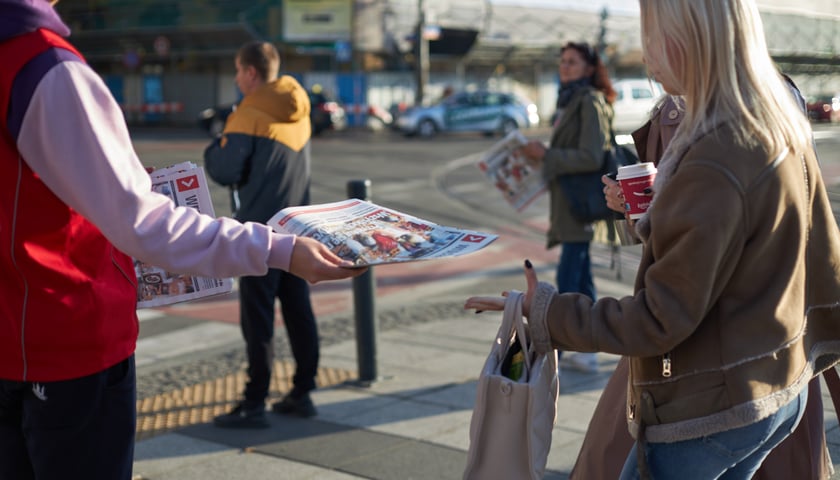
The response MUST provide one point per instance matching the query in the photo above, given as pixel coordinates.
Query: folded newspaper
(508, 171)
(186, 185)
(367, 234)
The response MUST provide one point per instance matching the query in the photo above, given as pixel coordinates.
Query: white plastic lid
(636, 170)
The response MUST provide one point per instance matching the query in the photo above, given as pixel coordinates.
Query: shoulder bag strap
(832, 379)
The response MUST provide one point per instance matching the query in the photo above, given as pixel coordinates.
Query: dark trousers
(79, 428)
(256, 304)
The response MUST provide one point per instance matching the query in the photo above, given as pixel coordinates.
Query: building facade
(166, 60)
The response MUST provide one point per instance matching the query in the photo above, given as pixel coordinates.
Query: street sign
(343, 51)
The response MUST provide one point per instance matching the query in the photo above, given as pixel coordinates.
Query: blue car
(481, 111)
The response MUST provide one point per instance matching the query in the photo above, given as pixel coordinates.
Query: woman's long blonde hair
(716, 52)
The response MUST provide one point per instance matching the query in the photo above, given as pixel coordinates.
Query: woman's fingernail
(528, 264)
(478, 311)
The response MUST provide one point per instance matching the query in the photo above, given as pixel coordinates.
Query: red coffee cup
(636, 183)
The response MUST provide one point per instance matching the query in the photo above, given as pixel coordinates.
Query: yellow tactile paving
(200, 403)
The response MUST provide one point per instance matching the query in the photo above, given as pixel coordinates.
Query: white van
(636, 98)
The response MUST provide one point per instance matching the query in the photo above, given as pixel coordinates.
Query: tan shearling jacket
(741, 251)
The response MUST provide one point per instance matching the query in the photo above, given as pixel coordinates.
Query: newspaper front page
(368, 234)
(186, 185)
(508, 171)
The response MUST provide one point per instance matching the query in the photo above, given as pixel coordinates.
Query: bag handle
(512, 321)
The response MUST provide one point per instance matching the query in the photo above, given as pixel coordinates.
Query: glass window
(642, 93)
(492, 99)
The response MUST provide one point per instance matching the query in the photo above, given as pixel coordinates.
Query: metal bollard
(363, 304)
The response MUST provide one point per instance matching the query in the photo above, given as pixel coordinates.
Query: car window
(639, 93)
(458, 100)
(493, 99)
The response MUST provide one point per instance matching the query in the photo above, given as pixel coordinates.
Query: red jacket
(68, 304)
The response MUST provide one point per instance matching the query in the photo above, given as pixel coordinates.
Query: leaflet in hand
(508, 171)
(367, 234)
(186, 185)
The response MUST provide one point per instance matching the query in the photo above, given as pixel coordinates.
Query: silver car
(481, 111)
(636, 98)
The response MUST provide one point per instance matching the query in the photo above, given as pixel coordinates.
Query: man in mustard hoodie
(263, 156)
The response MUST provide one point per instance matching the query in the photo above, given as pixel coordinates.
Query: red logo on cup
(187, 183)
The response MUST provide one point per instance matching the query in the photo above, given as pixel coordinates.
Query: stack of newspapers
(186, 185)
(365, 233)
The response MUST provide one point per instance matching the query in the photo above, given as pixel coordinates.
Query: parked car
(636, 98)
(821, 108)
(378, 118)
(325, 114)
(212, 120)
(480, 111)
(835, 108)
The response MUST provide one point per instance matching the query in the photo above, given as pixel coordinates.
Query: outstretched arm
(479, 304)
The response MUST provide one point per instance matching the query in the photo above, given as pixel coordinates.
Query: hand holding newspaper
(186, 185)
(508, 171)
(367, 234)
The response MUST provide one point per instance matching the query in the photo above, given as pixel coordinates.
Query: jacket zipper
(666, 365)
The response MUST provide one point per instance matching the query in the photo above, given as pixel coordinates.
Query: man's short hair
(263, 57)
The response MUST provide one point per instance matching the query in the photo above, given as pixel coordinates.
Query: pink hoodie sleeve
(75, 138)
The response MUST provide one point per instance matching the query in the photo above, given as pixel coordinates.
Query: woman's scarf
(567, 91)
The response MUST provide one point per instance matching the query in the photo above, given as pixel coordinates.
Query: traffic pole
(363, 304)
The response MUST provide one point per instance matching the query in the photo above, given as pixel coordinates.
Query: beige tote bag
(510, 429)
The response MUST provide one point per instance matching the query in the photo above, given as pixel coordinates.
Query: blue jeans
(574, 272)
(731, 455)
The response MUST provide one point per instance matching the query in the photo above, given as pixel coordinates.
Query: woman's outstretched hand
(480, 304)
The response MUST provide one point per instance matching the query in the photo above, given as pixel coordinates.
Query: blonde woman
(802, 455)
(741, 253)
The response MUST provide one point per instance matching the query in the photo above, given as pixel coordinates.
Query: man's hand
(314, 262)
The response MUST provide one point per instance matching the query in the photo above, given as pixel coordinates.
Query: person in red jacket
(75, 205)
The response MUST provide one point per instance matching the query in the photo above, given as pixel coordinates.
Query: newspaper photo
(367, 234)
(508, 171)
(186, 185)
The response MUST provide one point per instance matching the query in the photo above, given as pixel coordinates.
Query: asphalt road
(432, 178)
